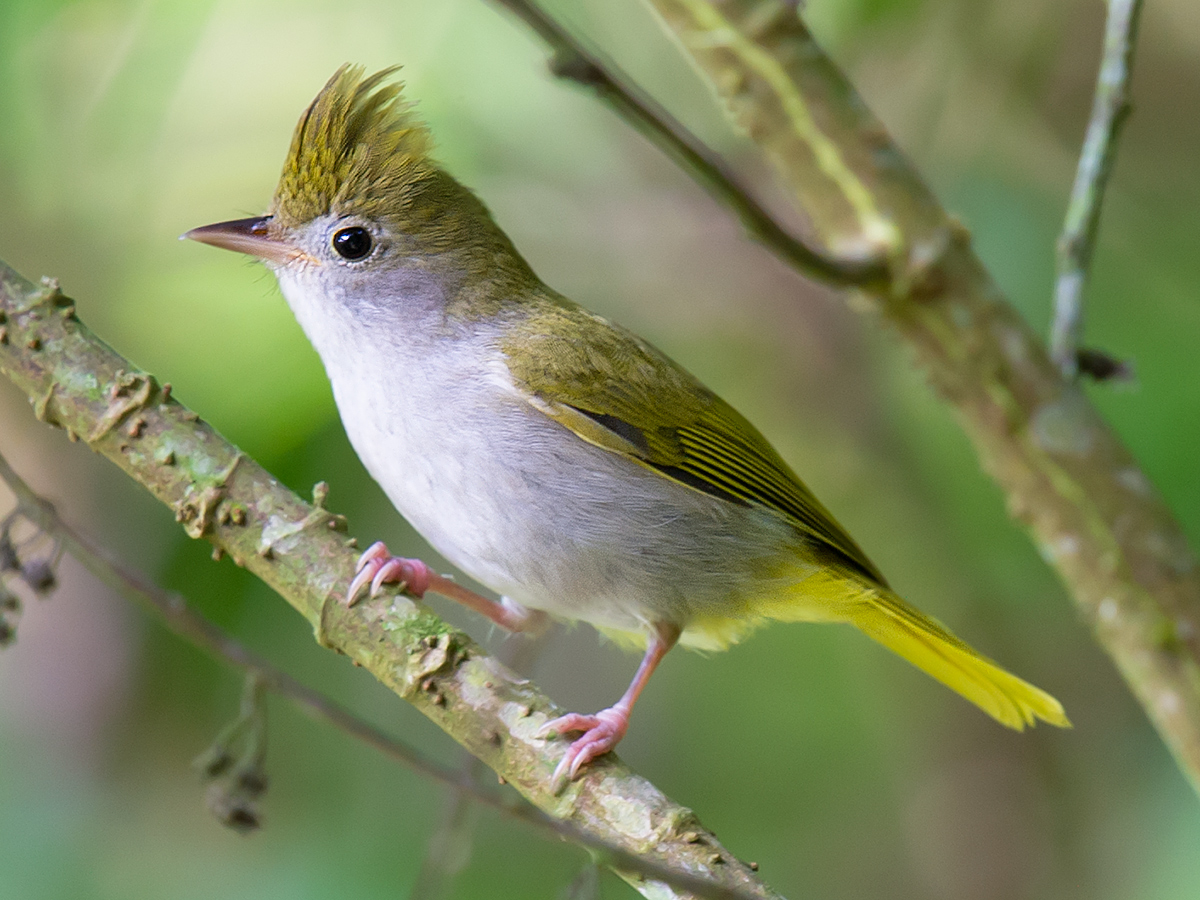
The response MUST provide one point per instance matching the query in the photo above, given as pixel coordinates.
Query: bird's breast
(524, 506)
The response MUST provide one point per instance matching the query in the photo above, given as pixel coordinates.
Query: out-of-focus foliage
(842, 771)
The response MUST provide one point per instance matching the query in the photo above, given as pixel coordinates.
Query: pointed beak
(250, 236)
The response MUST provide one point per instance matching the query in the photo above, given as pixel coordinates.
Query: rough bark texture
(77, 382)
(1067, 477)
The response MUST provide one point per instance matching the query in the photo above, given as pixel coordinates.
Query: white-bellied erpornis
(550, 454)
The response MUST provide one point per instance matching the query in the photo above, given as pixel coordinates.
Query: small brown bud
(39, 575)
(1101, 366)
(240, 817)
(253, 781)
(213, 762)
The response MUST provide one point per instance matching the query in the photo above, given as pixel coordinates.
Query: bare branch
(574, 60)
(449, 846)
(1110, 109)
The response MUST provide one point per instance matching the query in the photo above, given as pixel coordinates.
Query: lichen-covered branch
(1110, 109)
(1066, 475)
(173, 610)
(77, 382)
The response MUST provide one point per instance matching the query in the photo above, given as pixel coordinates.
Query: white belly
(525, 507)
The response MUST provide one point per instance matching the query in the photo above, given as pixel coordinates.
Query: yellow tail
(926, 644)
(929, 646)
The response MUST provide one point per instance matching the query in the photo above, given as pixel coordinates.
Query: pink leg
(604, 730)
(378, 567)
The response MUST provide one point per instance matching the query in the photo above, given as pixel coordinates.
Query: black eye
(352, 243)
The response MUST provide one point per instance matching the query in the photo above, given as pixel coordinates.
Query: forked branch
(1067, 477)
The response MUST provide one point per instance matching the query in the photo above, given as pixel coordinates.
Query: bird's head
(361, 206)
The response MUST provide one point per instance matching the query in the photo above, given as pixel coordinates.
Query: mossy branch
(1067, 477)
(77, 382)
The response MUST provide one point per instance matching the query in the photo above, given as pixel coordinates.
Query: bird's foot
(601, 733)
(378, 567)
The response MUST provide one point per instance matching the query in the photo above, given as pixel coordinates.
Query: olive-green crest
(358, 148)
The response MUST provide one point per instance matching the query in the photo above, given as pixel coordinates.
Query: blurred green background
(838, 768)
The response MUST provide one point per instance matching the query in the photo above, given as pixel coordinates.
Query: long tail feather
(923, 641)
(930, 647)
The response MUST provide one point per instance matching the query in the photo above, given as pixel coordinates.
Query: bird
(553, 456)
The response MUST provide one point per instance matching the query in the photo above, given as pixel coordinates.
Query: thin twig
(575, 60)
(449, 846)
(1110, 110)
(185, 622)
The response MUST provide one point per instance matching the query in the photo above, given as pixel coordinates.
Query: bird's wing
(617, 392)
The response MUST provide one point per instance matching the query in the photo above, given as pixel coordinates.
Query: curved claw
(377, 567)
(362, 579)
(391, 571)
(601, 733)
(377, 550)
